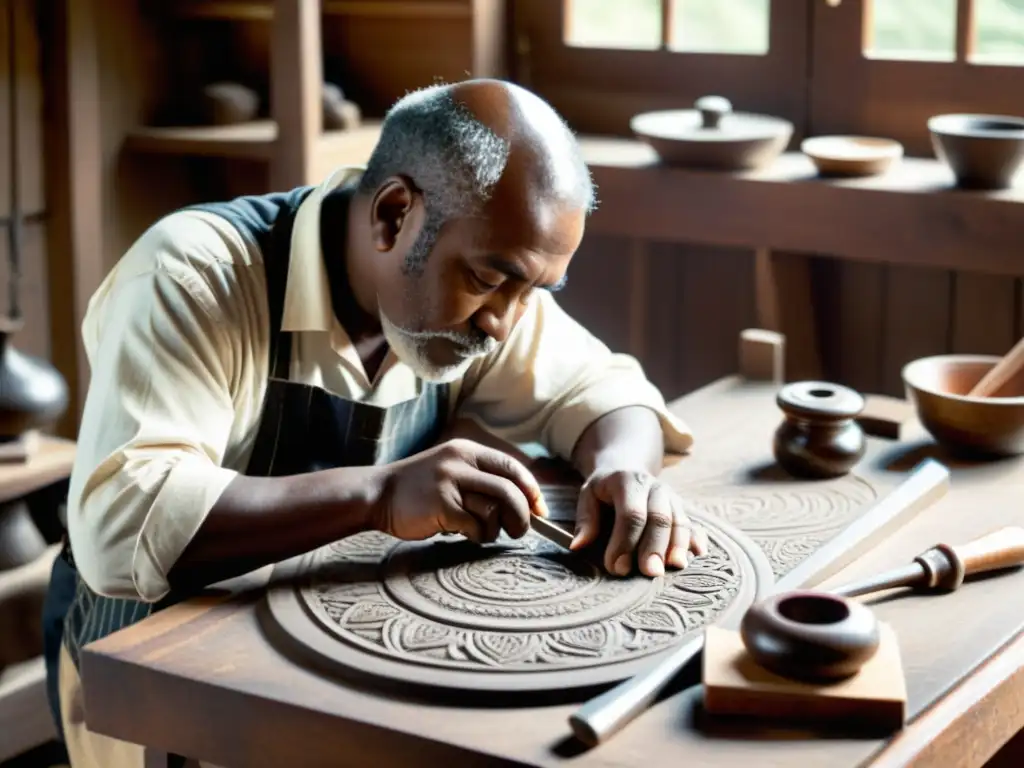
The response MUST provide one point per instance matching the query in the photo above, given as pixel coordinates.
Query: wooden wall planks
(872, 319)
(694, 307)
(34, 338)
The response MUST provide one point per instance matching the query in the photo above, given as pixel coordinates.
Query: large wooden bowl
(986, 426)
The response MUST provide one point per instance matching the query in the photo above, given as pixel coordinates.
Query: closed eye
(480, 284)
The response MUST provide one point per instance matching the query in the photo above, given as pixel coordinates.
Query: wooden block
(885, 416)
(876, 697)
(762, 355)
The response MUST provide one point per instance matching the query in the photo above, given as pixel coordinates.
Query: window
(613, 24)
(914, 59)
(926, 30)
(880, 67)
(921, 30)
(705, 26)
(998, 32)
(602, 61)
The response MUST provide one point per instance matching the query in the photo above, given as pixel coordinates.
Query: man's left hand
(650, 528)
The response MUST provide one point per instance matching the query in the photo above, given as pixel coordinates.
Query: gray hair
(456, 161)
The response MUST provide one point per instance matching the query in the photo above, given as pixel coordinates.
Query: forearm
(627, 438)
(262, 520)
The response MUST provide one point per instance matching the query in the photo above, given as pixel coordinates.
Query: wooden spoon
(1001, 373)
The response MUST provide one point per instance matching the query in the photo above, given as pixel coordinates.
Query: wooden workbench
(201, 680)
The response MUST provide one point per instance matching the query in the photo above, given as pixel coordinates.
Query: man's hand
(458, 487)
(649, 521)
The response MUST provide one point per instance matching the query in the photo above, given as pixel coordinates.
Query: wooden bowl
(984, 426)
(852, 155)
(983, 151)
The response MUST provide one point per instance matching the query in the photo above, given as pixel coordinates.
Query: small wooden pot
(810, 636)
(819, 436)
(229, 104)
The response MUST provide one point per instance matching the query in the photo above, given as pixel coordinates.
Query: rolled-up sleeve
(552, 379)
(157, 417)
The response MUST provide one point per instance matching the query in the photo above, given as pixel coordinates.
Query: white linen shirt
(177, 339)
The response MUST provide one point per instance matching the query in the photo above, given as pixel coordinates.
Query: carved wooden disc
(517, 615)
(789, 520)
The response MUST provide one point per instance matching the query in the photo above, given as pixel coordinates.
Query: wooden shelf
(249, 141)
(912, 215)
(253, 140)
(25, 721)
(257, 10)
(51, 462)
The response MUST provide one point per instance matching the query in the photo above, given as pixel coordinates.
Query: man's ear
(390, 210)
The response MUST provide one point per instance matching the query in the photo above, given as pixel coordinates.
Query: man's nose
(498, 319)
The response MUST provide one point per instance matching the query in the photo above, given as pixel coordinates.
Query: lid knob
(712, 109)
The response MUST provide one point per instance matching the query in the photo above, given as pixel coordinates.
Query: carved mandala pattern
(789, 520)
(518, 605)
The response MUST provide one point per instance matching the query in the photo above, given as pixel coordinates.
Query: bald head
(464, 144)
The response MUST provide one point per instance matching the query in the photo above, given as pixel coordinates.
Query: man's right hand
(458, 487)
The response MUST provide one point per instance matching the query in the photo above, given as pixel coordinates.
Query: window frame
(894, 98)
(815, 74)
(597, 91)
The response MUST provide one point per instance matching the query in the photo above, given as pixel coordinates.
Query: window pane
(613, 23)
(923, 30)
(720, 26)
(999, 31)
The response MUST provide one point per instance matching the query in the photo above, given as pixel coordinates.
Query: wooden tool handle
(1000, 549)
(1003, 371)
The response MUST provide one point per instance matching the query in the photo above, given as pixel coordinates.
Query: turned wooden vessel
(976, 427)
(810, 636)
(819, 436)
(983, 151)
(712, 136)
(32, 393)
(229, 103)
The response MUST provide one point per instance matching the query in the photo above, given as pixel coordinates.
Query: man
(271, 374)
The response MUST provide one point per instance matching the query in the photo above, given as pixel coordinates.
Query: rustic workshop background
(92, 85)
(861, 277)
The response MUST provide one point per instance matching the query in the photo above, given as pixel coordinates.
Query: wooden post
(782, 285)
(75, 191)
(489, 48)
(296, 83)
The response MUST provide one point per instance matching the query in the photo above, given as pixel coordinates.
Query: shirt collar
(307, 298)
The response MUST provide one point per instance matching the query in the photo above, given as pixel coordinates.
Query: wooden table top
(51, 460)
(201, 680)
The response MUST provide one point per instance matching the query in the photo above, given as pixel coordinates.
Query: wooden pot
(983, 151)
(819, 437)
(32, 393)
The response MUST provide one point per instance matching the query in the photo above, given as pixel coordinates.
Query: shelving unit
(291, 141)
(255, 10)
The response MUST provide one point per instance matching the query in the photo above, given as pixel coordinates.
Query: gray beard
(411, 348)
